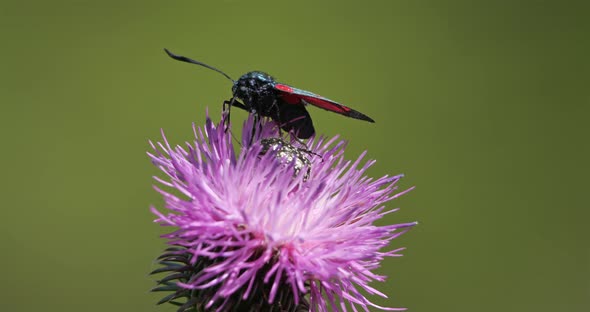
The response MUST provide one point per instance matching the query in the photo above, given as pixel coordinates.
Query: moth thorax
(255, 89)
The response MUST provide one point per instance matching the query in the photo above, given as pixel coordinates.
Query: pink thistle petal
(250, 227)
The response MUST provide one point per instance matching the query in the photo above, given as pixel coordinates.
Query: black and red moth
(258, 93)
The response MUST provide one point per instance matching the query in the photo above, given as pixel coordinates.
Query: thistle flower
(253, 233)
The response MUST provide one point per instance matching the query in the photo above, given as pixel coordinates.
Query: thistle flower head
(255, 230)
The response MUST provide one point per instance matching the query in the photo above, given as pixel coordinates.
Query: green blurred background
(482, 104)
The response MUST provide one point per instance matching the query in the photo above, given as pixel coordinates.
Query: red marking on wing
(284, 88)
(296, 96)
(300, 97)
(326, 104)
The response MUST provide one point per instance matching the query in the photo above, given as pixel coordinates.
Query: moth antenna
(188, 60)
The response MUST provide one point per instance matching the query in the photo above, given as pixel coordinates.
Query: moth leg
(277, 116)
(255, 128)
(227, 104)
